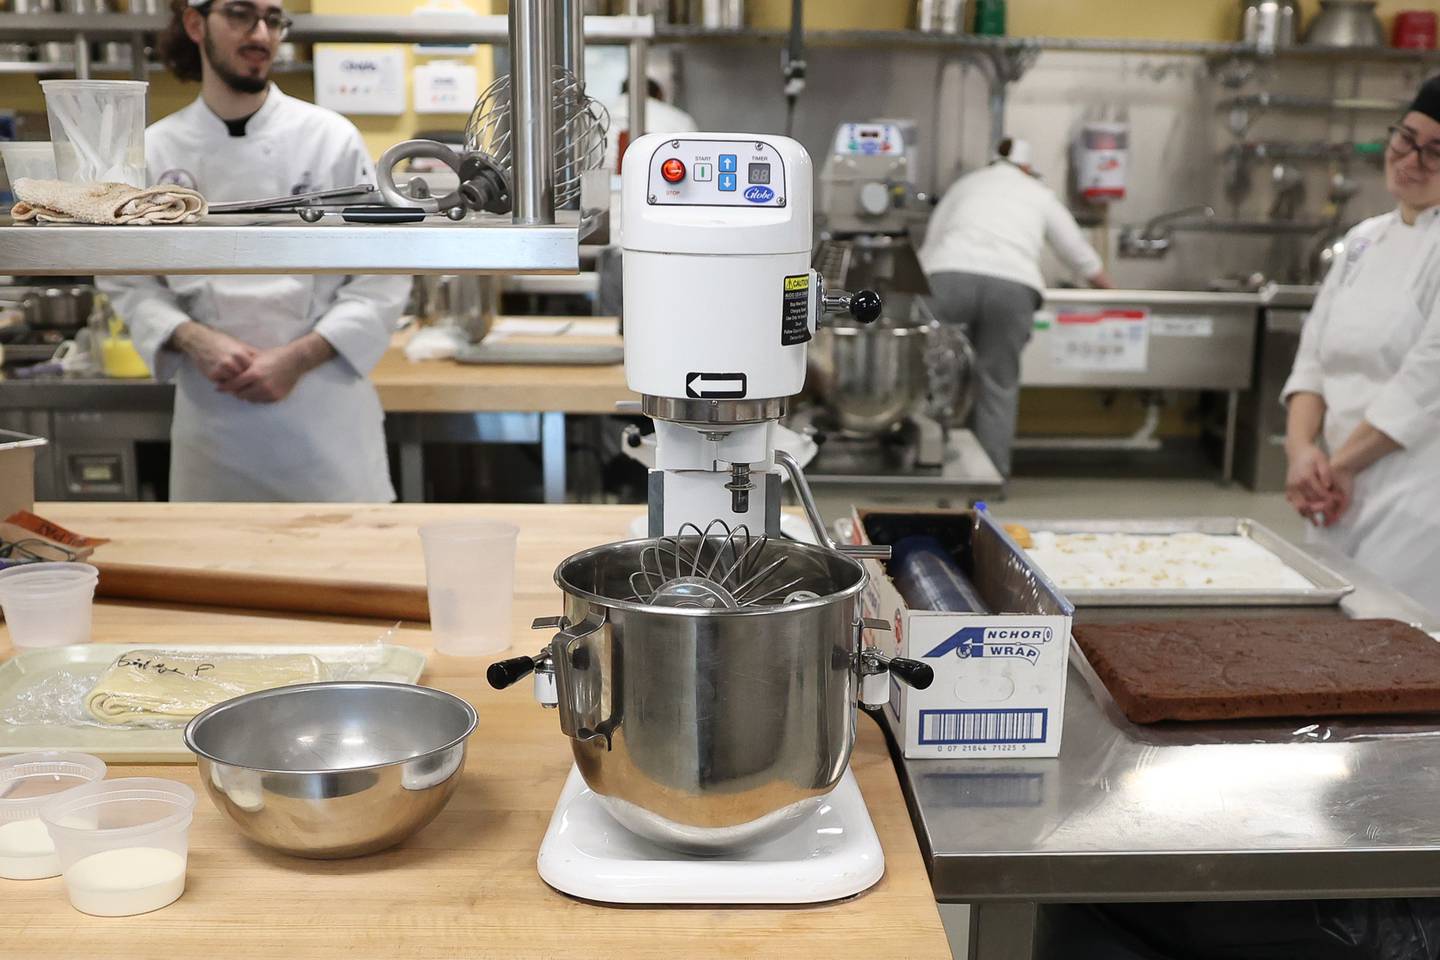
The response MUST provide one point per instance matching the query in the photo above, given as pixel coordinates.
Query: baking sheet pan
(369, 661)
(1327, 587)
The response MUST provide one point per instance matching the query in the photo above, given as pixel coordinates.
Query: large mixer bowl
(871, 377)
(709, 730)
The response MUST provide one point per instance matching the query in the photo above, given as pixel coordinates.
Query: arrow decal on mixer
(716, 386)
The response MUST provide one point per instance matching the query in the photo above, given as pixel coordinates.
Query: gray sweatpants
(998, 317)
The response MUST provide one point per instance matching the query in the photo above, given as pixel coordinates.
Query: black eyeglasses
(1403, 143)
(243, 17)
(34, 551)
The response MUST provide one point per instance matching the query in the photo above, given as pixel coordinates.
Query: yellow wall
(382, 132)
(23, 93)
(1139, 19)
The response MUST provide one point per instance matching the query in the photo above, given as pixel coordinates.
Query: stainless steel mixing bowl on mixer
(709, 684)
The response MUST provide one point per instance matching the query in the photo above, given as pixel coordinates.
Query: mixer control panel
(869, 140)
(716, 173)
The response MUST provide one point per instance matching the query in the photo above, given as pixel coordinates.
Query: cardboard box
(999, 688)
(17, 471)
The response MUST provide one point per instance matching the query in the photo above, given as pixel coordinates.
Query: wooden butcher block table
(466, 885)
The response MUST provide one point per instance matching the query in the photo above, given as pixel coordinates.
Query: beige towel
(159, 687)
(55, 201)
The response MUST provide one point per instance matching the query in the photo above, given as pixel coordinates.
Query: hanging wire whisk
(580, 122)
(718, 567)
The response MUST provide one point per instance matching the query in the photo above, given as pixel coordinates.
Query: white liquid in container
(125, 881)
(26, 851)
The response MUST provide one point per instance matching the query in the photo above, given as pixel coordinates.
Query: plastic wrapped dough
(160, 687)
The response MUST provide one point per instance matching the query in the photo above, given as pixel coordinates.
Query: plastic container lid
(119, 86)
(30, 781)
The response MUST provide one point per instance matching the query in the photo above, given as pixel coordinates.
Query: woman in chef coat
(1363, 436)
(273, 399)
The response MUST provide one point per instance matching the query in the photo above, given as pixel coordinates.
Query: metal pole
(532, 167)
(638, 82)
(137, 56)
(82, 57)
(639, 87)
(568, 46)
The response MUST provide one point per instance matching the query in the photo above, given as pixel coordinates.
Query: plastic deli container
(470, 579)
(28, 783)
(48, 604)
(27, 159)
(123, 844)
(98, 129)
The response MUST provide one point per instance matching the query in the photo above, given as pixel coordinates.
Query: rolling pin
(258, 591)
(929, 579)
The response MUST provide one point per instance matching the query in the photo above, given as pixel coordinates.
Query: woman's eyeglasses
(1403, 143)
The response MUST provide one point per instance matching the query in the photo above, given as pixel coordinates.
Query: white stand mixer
(720, 302)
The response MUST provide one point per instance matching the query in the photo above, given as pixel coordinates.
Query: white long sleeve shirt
(996, 222)
(1371, 349)
(326, 440)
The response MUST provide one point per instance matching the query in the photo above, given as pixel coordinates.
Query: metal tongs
(360, 193)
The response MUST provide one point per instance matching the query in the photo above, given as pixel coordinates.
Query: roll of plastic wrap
(929, 578)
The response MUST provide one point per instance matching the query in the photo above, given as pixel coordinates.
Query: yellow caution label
(797, 283)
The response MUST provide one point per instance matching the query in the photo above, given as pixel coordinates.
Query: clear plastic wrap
(159, 688)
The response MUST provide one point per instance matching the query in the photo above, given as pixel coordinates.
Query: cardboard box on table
(999, 688)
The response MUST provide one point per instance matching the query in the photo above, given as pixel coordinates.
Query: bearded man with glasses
(273, 399)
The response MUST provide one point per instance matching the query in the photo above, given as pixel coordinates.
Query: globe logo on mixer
(759, 194)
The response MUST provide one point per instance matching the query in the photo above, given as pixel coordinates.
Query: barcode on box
(983, 726)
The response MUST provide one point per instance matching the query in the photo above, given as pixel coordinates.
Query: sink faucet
(1153, 240)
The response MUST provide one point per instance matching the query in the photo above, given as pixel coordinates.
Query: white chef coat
(1371, 348)
(996, 222)
(326, 440)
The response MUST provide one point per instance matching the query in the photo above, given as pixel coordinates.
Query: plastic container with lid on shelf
(28, 783)
(123, 844)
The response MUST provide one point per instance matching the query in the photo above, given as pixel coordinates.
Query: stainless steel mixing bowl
(330, 770)
(705, 729)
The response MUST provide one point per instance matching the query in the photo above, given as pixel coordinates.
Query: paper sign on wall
(1111, 340)
(444, 86)
(369, 82)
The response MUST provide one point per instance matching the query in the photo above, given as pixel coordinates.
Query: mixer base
(832, 855)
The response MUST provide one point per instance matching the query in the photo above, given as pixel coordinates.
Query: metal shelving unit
(535, 239)
(277, 243)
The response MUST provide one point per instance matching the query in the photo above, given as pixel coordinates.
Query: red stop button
(672, 170)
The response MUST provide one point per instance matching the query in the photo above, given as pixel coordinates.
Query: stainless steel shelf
(942, 41)
(322, 28)
(1290, 101)
(64, 69)
(282, 243)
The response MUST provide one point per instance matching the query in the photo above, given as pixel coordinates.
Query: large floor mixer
(709, 674)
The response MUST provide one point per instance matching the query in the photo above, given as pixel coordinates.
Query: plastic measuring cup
(98, 128)
(470, 576)
(123, 844)
(28, 783)
(27, 158)
(48, 604)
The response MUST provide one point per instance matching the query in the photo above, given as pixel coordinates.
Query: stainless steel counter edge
(1270, 295)
(1117, 819)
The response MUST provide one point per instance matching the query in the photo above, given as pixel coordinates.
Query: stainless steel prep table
(1195, 340)
(1117, 820)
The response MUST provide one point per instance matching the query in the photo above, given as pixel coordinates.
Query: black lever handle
(503, 673)
(866, 306)
(912, 673)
